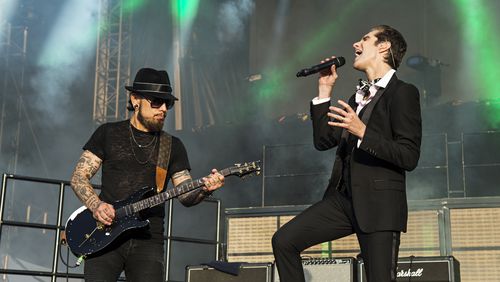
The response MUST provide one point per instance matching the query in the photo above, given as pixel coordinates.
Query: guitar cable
(79, 260)
(66, 263)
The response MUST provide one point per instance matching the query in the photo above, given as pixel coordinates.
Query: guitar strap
(163, 159)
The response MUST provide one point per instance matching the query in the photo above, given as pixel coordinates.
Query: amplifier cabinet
(423, 269)
(249, 272)
(326, 270)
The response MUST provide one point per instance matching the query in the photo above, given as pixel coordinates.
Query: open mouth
(358, 53)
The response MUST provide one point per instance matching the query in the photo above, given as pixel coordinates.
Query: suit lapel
(369, 108)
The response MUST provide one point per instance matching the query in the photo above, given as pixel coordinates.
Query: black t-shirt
(126, 167)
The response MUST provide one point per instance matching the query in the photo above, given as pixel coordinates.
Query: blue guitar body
(86, 236)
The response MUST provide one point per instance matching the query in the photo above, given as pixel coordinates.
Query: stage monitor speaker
(326, 270)
(423, 269)
(249, 272)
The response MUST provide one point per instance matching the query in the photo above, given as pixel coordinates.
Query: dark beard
(151, 124)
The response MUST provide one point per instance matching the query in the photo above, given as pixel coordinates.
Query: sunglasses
(157, 102)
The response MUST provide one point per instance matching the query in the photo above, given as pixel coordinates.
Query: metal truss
(13, 42)
(112, 71)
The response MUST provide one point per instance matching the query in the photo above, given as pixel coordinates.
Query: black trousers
(333, 218)
(141, 259)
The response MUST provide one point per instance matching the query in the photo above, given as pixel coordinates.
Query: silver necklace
(132, 139)
(135, 141)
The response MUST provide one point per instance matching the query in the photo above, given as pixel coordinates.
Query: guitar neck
(165, 196)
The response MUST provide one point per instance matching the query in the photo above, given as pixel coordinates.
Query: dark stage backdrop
(240, 92)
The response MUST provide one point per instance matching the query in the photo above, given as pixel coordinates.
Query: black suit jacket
(390, 147)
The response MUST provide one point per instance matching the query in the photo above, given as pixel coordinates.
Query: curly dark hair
(398, 44)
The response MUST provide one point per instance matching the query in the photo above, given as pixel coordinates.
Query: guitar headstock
(245, 169)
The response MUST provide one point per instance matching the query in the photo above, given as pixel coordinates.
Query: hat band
(152, 87)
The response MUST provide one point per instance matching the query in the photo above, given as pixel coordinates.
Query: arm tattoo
(190, 198)
(180, 177)
(85, 169)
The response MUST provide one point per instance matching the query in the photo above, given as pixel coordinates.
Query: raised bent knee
(282, 241)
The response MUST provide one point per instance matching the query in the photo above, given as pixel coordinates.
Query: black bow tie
(364, 86)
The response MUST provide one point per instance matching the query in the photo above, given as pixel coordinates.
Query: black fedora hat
(153, 83)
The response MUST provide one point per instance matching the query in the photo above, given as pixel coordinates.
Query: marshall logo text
(409, 273)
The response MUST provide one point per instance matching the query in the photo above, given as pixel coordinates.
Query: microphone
(338, 62)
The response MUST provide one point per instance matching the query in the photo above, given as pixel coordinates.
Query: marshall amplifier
(326, 270)
(423, 269)
(249, 272)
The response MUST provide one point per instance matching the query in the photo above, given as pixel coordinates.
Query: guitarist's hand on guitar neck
(213, 181)
(104, 213)
(84, 237)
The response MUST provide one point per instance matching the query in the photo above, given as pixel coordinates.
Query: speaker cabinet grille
(249, 238)
(422, 236)
(471, 234)
(475, 236)
(324, 270)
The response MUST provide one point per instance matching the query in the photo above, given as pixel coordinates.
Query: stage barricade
(33, 213)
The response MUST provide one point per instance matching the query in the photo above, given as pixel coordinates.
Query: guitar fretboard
(164, 196)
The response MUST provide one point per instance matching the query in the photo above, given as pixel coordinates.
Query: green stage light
(132, 5)
(481, 42)
(272, 87)
(185, 10)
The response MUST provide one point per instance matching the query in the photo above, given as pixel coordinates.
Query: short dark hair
(398, 44)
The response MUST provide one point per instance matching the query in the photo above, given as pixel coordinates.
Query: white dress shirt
(360, 99)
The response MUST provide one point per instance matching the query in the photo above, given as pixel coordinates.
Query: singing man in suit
(377, 135)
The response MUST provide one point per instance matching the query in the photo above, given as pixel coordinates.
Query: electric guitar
(86, 236)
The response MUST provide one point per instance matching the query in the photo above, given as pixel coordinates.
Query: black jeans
(142, 260)
(333, 218)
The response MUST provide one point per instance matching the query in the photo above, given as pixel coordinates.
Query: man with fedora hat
(133, 154)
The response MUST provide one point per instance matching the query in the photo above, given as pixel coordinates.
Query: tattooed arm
(190, 198)
(86, 168)
(212, 182)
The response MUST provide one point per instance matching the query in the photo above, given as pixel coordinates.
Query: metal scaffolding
(112, 71)
(13, 42)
